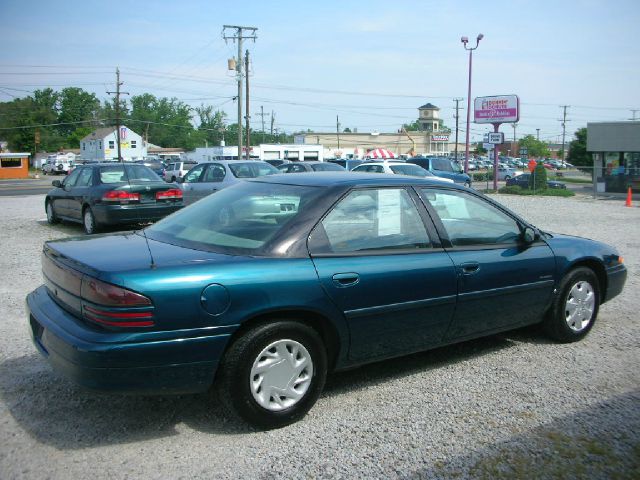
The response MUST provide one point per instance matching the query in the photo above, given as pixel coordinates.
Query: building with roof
(14, 165)
(431, 139)
(101, 145)
(615, 148)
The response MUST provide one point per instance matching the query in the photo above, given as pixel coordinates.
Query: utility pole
(247, 116)
(457, 116)
(538, 134)
(262, 115)
(273, 119)
(239, 36)
(564, 128)
(338, 129)
(117, 105)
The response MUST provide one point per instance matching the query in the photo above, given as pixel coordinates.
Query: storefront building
(14, 165)
(615, 147)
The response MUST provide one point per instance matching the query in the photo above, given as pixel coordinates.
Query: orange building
(14, 165)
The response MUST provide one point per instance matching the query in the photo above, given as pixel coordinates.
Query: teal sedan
(262, 289)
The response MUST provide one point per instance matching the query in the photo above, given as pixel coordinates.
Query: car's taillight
(120, 196)
(114, 306)
(172, 193)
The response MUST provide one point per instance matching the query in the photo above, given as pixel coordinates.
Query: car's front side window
(371, 219)
(194, 174)
(469, 220)
(71, 180)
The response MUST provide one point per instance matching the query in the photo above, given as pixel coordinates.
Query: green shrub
(512, 189)
(538, 180)
(482, 176)
(549, 192)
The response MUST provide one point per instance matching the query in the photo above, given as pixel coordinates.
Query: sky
(367, 64)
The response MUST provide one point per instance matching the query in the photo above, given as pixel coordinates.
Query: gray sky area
(372, 63)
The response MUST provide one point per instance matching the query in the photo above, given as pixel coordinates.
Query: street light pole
(464, 41)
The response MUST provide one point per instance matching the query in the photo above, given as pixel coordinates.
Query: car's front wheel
(89, 222)
(51, 213)
(273, 374)
(575, 308)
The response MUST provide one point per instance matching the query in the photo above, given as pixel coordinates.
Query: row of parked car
(101, 194)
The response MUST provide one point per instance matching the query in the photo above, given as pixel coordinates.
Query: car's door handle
(346, 279)
(469, 268)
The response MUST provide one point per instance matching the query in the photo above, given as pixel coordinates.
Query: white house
(101, 144)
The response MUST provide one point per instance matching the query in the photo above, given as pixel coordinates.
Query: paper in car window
(456, 206)
(389, 203)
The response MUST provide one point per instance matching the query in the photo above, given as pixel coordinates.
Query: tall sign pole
(247, 116)
(239, 36)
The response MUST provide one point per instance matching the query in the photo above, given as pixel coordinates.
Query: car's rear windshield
(241, 218)
(327, 167)
(127, 173)
(252, 169)
(409, 169)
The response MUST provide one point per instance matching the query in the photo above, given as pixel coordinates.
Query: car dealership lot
(503, 405)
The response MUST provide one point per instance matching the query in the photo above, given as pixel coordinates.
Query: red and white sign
(123, 133)
(532, 165)
(498, 109)
(439, 138)
(380, 153)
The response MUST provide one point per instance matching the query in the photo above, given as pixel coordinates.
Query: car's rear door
(379, 259)
(502, 281)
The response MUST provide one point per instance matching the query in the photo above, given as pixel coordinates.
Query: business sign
(496, 138)
(488, 146)
(439, 138)
(498, 109)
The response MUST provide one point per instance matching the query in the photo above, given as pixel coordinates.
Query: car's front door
(79, 192)
(380, 261)
(191, 184)
(62, 204)
(503, 282)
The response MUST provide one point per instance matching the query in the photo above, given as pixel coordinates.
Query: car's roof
(232, 162)
(385, 162)
(351, 179)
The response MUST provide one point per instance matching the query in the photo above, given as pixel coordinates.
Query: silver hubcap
(580, 305)
(281, 375)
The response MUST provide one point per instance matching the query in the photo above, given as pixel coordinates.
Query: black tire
(89, 222)
(235, 383)
(559, 324)
(52, 218)
(467, 184)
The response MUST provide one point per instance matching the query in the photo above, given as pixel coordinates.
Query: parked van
(176, 170)
(443, 167)
(58, 164)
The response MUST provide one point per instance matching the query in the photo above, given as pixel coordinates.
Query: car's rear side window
(371, 219)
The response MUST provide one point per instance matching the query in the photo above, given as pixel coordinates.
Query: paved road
(27, 186)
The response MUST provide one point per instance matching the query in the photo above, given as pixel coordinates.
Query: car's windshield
(252, 169)
(410, 169)
(127, 173)
(241, 218)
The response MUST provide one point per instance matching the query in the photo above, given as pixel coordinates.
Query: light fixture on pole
(465, 41)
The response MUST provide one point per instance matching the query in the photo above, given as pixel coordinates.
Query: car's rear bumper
(122, 362)
(127, 214)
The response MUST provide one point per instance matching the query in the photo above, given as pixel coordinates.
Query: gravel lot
(510, 406)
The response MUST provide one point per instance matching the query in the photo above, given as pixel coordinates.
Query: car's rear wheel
(575, 308)
(89, 222)
(467, 184)
(51, 213)
(273, 374)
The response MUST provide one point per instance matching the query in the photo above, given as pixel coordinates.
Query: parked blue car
(443, 167)
(268, 285)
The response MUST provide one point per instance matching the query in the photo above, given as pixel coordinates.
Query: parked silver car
(208, 177)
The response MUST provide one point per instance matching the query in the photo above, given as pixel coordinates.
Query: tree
(166, 122)
(212, 124)
(535, 148)
(412, 127)
(578, 154)
(77, 105)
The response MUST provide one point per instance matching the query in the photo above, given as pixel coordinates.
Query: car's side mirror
(57, 183)
(530, 235)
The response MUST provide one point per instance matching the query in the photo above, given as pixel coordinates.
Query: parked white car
(505, 173)
(398, 168)
(176, 170)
